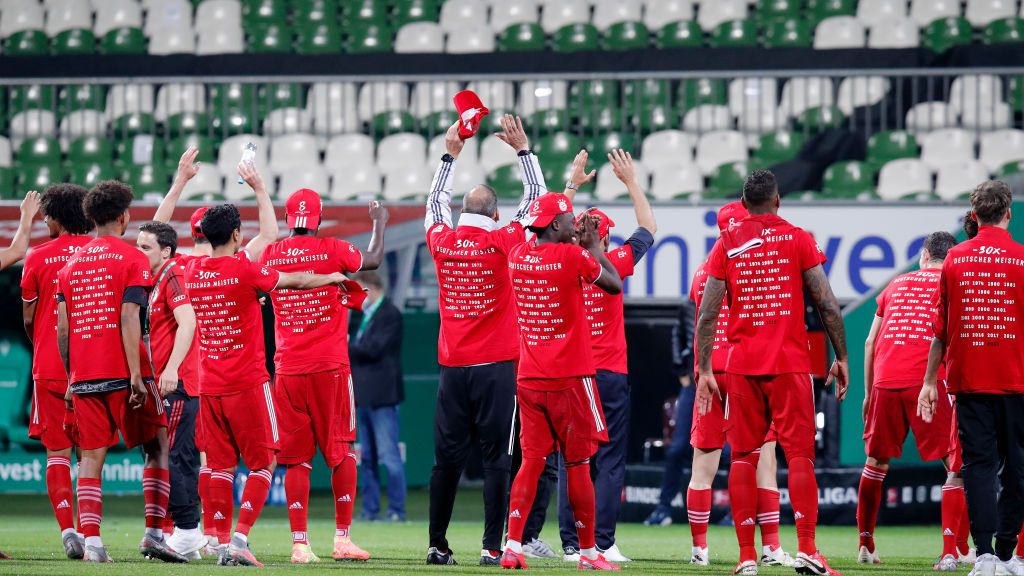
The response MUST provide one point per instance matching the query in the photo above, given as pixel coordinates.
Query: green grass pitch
(29, 533)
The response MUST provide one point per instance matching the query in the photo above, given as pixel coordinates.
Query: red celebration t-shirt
(168, 294)
(605, 314)
(907, 310)
(720, 352)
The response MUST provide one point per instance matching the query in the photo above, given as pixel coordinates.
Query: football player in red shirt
(895, 357)
(979, 332)
(99, 337)
(313, 381)
(559, 404)
(608, 339)
(19, 244)
(69, 228)
(477, 348)
(238, 416)
(764, 263)
(708, 437)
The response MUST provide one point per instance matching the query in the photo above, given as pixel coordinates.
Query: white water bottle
(248, 155)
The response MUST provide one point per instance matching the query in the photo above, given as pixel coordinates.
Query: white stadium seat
(707, 118)
(495, 153)
(286, 121)
(407, 181)
(982, 12)
(332, 108)
(991, 117)
(129, 98)
(5, 152)
(673, 180)
(752, 94)
(905, 177)
(377, 97)
(925, 12)
(419, 38)
(429, 97)
(668, 147)
(462, 16)
(218, 14)
(858, 91)
(173, 99)
(471, 42)
(467, 176)
(470, 151)
(802, 93)
(362, 180)
(659, 13)
(168, 14)
(32, 123)
(398, 150)
(313, 177)
(21, 16)
(759, 120)
(82, 123)
(230, 154)
(839, 32)
(871, 12)
(894, 33)
(498, 95)
(349, 150)
(609, 187)
(1000, 147)
(208, 180)
(974, 90)
(221, 40)
(941, 147)
(542, 95)
(555, 15)
(712, 14)
(957, 178)
(717, 148)
(293, 151)
(174, 40)
(509, 12)
(928, 116)
(64, 15)
(608, 12)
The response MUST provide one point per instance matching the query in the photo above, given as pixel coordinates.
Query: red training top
(907, 310)
(311, 326)
(548, 283)
(605, 314)
(223, 291)
(169, 294)
(980, 309)
(720, 351)
(478, 321)
(39, 282)
(93, 285)
(762, 259)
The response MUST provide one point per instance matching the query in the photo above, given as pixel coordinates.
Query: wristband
(570, 185)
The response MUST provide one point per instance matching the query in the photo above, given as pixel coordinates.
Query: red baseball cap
(545, 208)
(730, 214)
(471, 112)
(304, 208)
(196, 220)
(352, 295)
(604, 224)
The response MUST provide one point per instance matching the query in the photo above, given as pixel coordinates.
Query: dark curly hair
(63, 203)
(219, 223)
(107, 201)
(760, 188)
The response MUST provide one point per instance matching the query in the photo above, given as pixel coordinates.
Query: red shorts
(48, 415)
(566, 416)
(241, 424)
(956, 454)
(893, 413)
(315, 410)
(707, 432)
(101, 415)
(757, 403)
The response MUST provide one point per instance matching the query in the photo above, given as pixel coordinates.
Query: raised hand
(622, 165)
(252, 177)
(378, 213)
(30, 205)
(579, 175)
(588, 236)
(187, 165)
(453, 143)
(514, 135)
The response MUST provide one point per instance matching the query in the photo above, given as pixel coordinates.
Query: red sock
(156, 489)
(209, 524)
(254, 496)
(743, 495)
(524, 489)
(90, 505)
(222, 502)
(78, 509)
(869, 498)
(296, 491)
(964, 532)
(698, 511)
(953, 504)
(1020, 543)
(168, 525)
(581, 498)
(803, 493)
(768, 516)
(343, 484)
(58, 486)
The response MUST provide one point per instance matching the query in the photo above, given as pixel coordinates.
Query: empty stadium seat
(220, 40)
(466, 177)
(470, 154)
(839, 32)
(313, 177)
(752, 94)
(522, 37)
(734, 33)
(944, 33)
(955, 179)
(776, 147)
(848, 180)
(872, 12)
(332, 108)
(802, 93)
(542, 95)
(288, 120)
(946, 145)
(348, 150)
(207, 180)
(419, 38)
(982, 12)
(471, 41)
(975, 90)
(676, 180)
(361, 180)
(928, 116)
(37, 149)
(230, 153)
(894, 33)
(667, 147)
(407, 181)
(726, 181)
(609, 187)
(377, 97)
(509, 12)
(495, 153)
(67, 15)
(682, 34)
(788, 33)
(661, 13)
(32, 123)
(1005, 31)
(720, 147)
(497, 95)
(891, 145)
(430, 97)
(556, 15)
(20, 15)
(1000, 147)
(168, 14)
(125, 40)
(5, 152)
(212, 14)
(178, 40)
(860, 91)
(399, 150)
(707, 118)
(608, 12)
(117, 14)
(902, 178)
(462, 16)
(712, 14)
(925, 11)
(173, 99)
(293, 151)
(82, 123)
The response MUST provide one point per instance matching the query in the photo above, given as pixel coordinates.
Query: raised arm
(625, 171)
(307, 281)
(187, 169)
(439, 209)
(832, 317)
(374, 255)
(609, 280)
(514, 135)
(185, 317)
(268, 233)
(869, 363)
(579, 175)
(19, 244)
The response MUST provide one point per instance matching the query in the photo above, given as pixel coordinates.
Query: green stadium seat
(321, 38)
(559, 146)
(548, 121)
(32, 97)
(601, 118)
(1015, 97)
(315, 11)
(273, 38)
(818, 119)
(821, 9)
(1005, 31)
(187, 123)
(524, 37)
(27, 43)
(576, 38)
(644, 93)
(91, 149)
(655, 117)
(76, 41)
(8, 191)
(281, 95)
(235, 95)
(370, 39)
(234, 121)
(407, 11)
(39, 176)
(88, 174)
(557, 172)
(506, 181)
(734, 33)
(626, 36)
(776, 147)
(257, 13)
(437, 122)
(599, 146)
(133, 123)
(697, 92)
(726, 181)
(38, 150)
(586, 93)
(82, 97)
(139, 150)
(769, 10)
(147, 179)
(944, 33)
(891, 145)
(851, 180)
(683, 34)
(206, 145)
(1011, 169)
(124, 41)
(392, 122)
(789, 33)
(361, 14)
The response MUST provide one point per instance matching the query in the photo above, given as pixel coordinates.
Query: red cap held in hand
(352, 295)
(471, 113)
(304, 208)
(604, 223)
(730, 214)
(196, 220)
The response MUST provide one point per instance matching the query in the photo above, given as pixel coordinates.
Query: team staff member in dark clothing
(375, 351)
(478, 344)
(608, 342)
(983, 278)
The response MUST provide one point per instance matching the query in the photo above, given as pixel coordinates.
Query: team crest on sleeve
(265, 271)
(622, 253)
